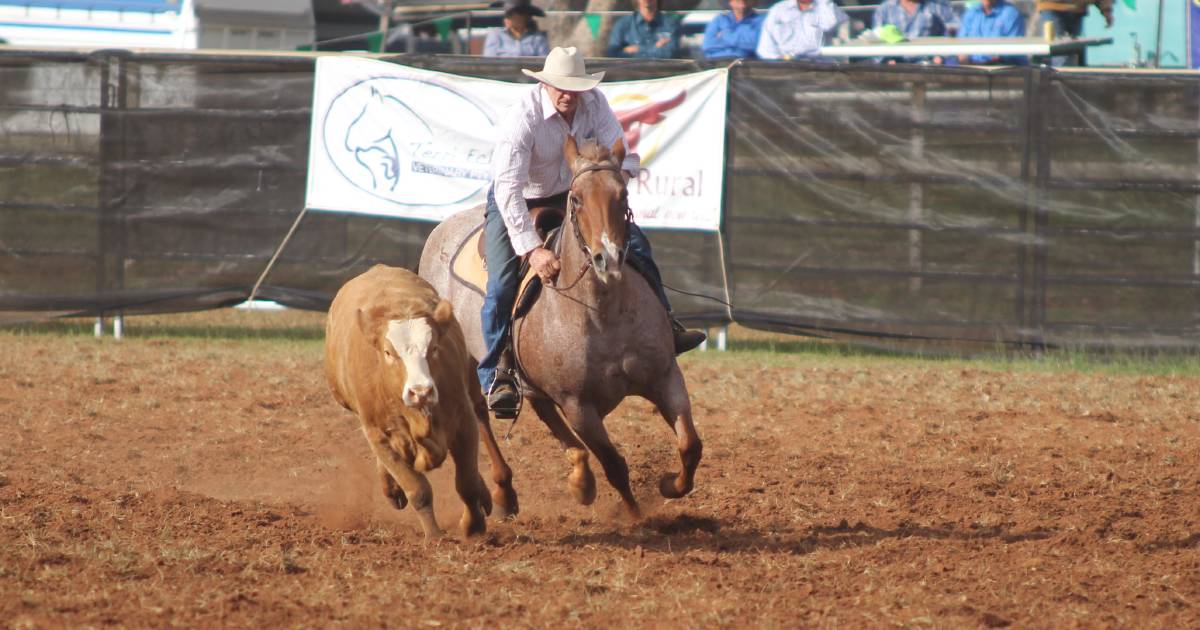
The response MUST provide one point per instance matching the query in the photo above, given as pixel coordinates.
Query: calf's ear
(443, 314)
(364, 322)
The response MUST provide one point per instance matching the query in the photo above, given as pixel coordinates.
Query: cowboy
(520, 36)
(529, 170)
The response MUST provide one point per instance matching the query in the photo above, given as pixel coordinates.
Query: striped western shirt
(789, 32)
(528, 162)
(933, 18)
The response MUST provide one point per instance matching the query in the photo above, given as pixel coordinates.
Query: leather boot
(503, 399)
(685, 339)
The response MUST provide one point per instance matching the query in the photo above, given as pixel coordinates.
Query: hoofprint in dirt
(215, 482)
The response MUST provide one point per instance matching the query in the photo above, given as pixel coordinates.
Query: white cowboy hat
(564, 70)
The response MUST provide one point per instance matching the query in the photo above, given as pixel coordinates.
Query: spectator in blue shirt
(648, 33)
(992, 18)
(734, 35)
(520, 36)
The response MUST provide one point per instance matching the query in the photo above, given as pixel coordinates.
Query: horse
(594, 337)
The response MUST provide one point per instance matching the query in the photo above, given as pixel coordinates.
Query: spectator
(648, 33)
(1067, 17)
(917, 18)
(734, 34)
(520, 36)
(798, 28)
(992, 18)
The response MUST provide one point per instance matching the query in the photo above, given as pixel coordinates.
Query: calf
(395, 356)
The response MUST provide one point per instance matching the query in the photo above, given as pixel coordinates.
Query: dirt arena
(212, 481)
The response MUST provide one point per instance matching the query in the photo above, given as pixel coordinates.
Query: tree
(573, 30)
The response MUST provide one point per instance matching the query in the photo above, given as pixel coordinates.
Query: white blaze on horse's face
(412, 339)
(608, 261)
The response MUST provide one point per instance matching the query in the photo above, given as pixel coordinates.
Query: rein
(572, 210)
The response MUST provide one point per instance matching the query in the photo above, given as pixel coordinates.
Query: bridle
(573, 214)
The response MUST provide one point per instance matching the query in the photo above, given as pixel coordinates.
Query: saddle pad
(467, 268)
(467, 265)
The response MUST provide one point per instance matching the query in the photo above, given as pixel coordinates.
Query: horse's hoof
(473, 525)
(506, 506)
(668, 486)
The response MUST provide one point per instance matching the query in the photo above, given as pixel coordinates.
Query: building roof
(140, 6)
(286, 7)
(285, 13)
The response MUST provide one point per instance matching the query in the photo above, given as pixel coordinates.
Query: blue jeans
(1064, 24)
(503, 283)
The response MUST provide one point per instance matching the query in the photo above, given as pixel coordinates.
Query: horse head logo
(373, 140)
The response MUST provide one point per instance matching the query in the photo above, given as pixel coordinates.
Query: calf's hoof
(397, 499)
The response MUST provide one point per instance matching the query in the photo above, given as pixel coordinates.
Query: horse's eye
(575, 201)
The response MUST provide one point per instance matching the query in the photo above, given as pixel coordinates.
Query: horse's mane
(592, 151)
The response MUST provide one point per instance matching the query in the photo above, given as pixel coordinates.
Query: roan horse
(594, 337)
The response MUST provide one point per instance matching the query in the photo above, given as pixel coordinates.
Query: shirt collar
(548, 110)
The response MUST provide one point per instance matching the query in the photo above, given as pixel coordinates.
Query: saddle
(469, 267)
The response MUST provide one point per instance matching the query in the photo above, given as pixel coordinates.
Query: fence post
(111, 189)
(916, 190)
(1196, 225)
(726, 187)
(1040, 129)
(1021, 298)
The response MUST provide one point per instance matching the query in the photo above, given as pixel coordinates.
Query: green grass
(772, 348)
(305, 331)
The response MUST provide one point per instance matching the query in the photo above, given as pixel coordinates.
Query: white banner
(397, 141)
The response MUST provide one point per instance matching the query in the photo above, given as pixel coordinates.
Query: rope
(701, 295)
(275, 256)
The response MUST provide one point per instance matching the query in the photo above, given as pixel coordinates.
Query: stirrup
(505, 405)
(684, 339)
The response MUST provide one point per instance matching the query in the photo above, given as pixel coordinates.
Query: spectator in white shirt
(529, 170)
(796, 29)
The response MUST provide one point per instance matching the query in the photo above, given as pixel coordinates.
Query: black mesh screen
(1014, 206)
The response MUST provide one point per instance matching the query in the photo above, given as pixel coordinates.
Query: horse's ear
(571, 151)
(618, 151)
